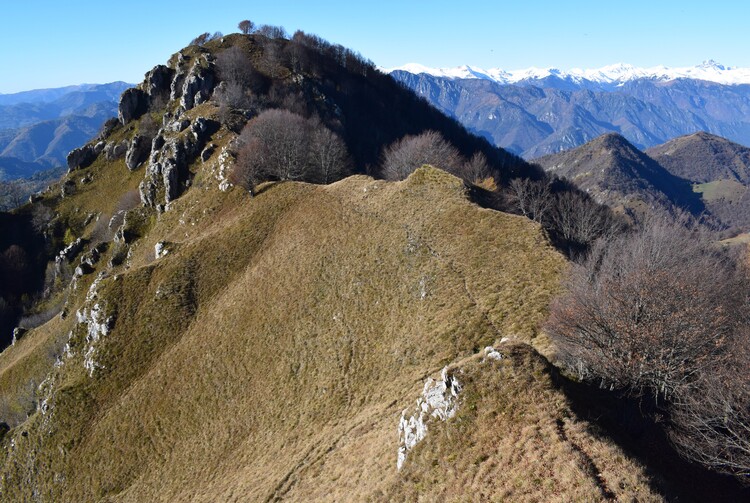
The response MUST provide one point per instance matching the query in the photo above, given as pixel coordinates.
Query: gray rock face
(113, 151)
(157, 82)
(199, 84)
(133, 104)
(81, 157)
(167, 172)
(138, 151)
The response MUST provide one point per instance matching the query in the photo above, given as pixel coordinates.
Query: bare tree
(410, 152)
(271, 31)
(647, 312)
(246, 26)
(234, 66)
(710, 418)
(328, 154)
(532, 198)
(476, 169)
(579, 219)
(201, 39)
(281, 145)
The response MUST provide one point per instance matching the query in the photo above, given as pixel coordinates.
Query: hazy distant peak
(616, 74)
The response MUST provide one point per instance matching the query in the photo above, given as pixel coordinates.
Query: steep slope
(719, 170)
(615, 172)
(285, 335)
(703, 157)
(218, 347)
(548, 114)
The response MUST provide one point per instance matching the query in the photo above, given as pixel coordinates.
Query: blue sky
(54, 43)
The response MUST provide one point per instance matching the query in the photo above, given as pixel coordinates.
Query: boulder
(208, 152)
(81, 157)
(157, 82)
(133, 104)
(114, 150)
(140, 147)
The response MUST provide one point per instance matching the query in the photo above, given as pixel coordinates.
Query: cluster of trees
(572, 218)
(661, 314)
(281, 145)
(405, 155)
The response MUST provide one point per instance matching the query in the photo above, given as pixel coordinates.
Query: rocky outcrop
(438, 401)
(115, 150)
(167, 173)
(133, 104)
(82, 157)
(138, 151)
(157, 83)
(97, 321)
(199, 83)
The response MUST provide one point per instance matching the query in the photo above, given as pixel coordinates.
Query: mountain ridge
(614, 75)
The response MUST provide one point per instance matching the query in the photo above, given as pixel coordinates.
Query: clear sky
(51, 43)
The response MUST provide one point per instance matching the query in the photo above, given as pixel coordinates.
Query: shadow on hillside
(623, 421)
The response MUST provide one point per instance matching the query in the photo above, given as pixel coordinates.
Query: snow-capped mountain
(535, 112)
(616, 74)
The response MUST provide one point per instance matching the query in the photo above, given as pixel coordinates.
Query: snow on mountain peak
(616, 74)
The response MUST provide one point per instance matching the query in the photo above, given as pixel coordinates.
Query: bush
(281, 145)
(410, 152)
(661, 314)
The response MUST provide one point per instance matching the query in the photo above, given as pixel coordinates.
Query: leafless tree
(532, 198)
(328, 154)
(282, 145)
(201, 39)
(579, 219)
(647, 312)
(234, 66)
(475, 169)
(410, 152)
(271, 31)
(246, 26)
(710, 418)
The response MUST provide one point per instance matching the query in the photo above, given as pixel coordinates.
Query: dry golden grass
(270, 353)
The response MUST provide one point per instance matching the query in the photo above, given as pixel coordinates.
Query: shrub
(410, 152)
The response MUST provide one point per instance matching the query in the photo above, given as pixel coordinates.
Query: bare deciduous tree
(581, 220)
(410, 152)
(328, 155)
(201, 39)
(532, 198)
(234, 66)
(246, 26)
(647, 311)
(282, 145)
(476, 169)
(662, 314)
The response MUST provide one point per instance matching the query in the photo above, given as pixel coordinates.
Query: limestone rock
(157, 83)
(115, 150)
(81, 157)
(138, 151)
(133, 104)
(438, 401)
(198, 85)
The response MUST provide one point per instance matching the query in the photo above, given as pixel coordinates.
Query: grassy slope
(271, 352)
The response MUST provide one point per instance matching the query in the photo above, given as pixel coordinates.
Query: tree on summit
(246, 26)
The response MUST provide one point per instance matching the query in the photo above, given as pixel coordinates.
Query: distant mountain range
(604, 78)
(537, 112)
(38, 128)
(702, 173)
